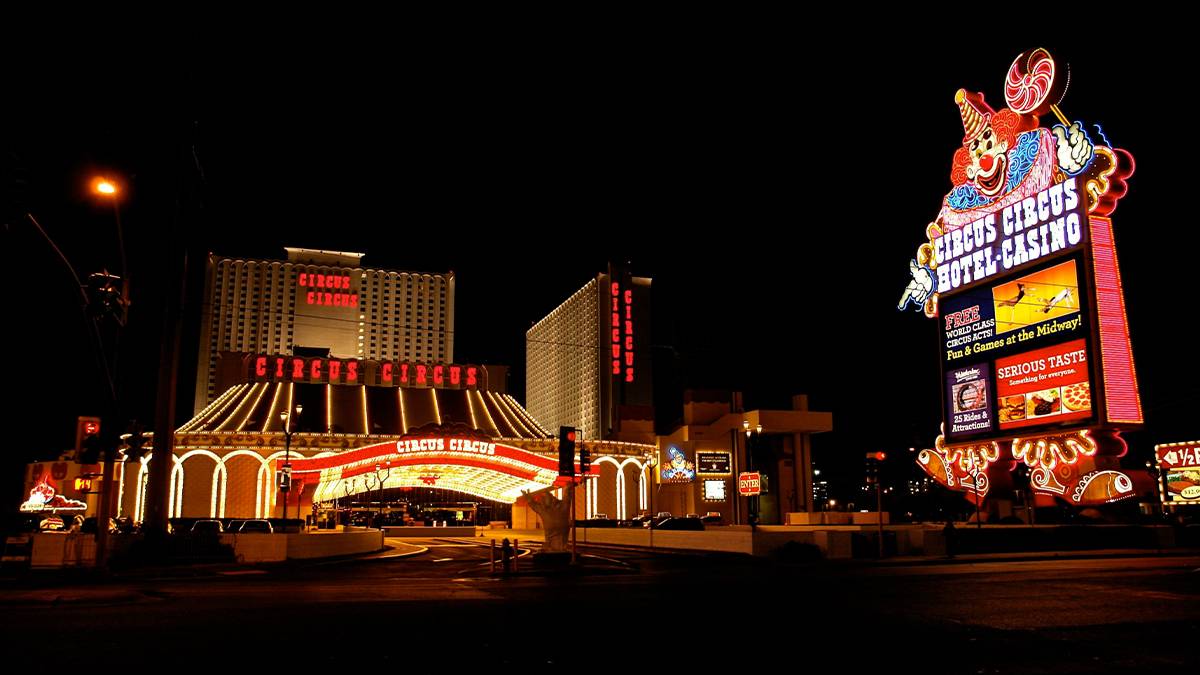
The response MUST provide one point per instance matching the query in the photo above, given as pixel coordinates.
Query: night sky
(775, 192)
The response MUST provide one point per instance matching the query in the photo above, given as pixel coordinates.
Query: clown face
(988, 161)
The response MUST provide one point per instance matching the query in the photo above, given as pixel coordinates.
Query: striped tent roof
(359, 409)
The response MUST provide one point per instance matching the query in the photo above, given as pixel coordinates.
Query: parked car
(256, 526)
(680, 524)
(713, 518)
(207, 526)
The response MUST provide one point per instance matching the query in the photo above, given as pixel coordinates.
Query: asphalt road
(441, 611)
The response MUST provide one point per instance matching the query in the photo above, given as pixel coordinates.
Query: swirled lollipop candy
(1034, 83)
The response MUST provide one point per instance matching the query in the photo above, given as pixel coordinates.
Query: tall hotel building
(587, 363)
(319, 303)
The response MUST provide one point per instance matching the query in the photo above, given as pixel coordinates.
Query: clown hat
(976, 115)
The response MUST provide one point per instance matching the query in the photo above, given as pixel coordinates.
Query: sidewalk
(1020, 556)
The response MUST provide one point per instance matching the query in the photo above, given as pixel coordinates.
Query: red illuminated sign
(273, 368)
(749, 484)
(622, 332)
(328, 290)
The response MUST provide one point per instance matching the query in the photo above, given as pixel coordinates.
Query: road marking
(443, 559)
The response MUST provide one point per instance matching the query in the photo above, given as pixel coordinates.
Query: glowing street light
(103, 186)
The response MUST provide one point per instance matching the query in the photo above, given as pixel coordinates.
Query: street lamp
(285, 485)
(382, 472)
(752, 506)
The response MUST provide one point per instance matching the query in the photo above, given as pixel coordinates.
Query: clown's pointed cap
(975, 113)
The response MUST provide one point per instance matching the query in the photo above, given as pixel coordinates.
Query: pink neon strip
(1120, 379)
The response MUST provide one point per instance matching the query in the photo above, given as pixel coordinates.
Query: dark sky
(774, 190)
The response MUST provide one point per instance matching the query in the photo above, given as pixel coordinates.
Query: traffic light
(566, 451)
(135, 443)
(86, 428)
(585, 459)
(873, 460)
(105, 296)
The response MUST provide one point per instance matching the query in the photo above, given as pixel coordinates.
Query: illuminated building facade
(588, 362)
(322, 302)
(368, 429)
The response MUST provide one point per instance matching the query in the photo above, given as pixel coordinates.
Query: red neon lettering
(335, 369)
(628, 311)
(297, 369)
(616, 351)
(616, 337)
(616, 366)
(338, 300)
(329, 298)
(387, 372)
(455, 375)
(354, 300)
(352, 371)
(320, 281)
(309, 297)
(616, 319)
(628, 327)
(260, 366)
(629, 375)
(420, 374)
(315, 370)
(437, 375)
(404, 373)
(279, 367)
(303, 279)
(471, 371)
(628, 297)
(629, 343)
(346, 283)
(629, 358)
(616, 290)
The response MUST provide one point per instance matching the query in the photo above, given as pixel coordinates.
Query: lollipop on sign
(1035, 85)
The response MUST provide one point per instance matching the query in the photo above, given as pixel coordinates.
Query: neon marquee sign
(1019, 268)
(276, 368)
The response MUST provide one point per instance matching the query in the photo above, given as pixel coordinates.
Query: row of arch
(620, 490)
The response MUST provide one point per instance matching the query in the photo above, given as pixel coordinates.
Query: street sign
(749, 484)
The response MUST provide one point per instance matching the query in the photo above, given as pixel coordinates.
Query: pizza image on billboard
(1053, 382)
(1034, 298)
(1077, 396)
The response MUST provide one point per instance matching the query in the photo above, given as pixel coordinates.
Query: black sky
(775, 191)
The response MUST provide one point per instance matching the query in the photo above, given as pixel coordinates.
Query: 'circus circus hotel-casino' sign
(1020, 272)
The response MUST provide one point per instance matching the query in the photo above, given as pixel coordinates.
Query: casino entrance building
(411, 440)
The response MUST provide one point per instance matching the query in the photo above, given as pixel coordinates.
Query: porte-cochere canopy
(478, 467)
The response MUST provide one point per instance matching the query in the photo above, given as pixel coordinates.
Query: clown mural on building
(993, 231)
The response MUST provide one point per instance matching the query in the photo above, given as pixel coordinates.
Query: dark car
(256, 526)
(691, 524)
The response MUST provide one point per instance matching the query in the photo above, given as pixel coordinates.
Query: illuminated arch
(216, 506)
(263, 465)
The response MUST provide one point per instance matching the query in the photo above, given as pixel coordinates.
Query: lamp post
(651, 488)
(382, 472)
(285, 484)
(751, 506)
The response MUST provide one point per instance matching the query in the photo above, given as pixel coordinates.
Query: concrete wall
(62, 549)
(305, 546)
(426, 532)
